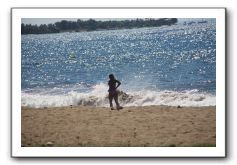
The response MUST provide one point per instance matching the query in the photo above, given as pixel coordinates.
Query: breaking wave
(98, 96)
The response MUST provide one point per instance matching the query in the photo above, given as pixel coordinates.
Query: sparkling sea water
(168, 65)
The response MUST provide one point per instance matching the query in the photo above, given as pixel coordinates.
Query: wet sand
(149, 126)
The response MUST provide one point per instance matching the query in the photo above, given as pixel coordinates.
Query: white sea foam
(98, 97)
(173, 98)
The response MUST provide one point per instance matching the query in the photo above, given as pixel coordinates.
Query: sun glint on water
(169, 65)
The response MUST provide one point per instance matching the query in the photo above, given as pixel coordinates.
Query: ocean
(168, 65)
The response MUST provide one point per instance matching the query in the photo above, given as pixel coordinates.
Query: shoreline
(150, 126)
(93, 25)
(108, 108)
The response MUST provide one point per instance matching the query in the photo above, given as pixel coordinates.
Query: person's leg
(116, 100)
(110, 101)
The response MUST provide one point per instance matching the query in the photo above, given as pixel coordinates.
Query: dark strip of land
(92, 25)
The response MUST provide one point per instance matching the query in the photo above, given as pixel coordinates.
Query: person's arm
(119, 83)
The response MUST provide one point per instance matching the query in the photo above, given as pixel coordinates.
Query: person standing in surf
(113, 93)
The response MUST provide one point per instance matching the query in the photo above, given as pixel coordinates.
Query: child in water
(113, 93)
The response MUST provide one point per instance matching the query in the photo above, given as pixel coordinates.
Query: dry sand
(150, 126)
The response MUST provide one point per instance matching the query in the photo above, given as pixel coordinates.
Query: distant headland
(93, 25)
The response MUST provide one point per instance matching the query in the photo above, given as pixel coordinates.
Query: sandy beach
(148, 126)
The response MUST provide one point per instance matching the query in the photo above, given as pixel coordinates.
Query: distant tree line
(91, 25)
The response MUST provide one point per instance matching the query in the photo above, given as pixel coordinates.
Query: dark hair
(111, 77)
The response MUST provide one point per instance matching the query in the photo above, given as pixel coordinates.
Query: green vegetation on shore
(92, 25)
